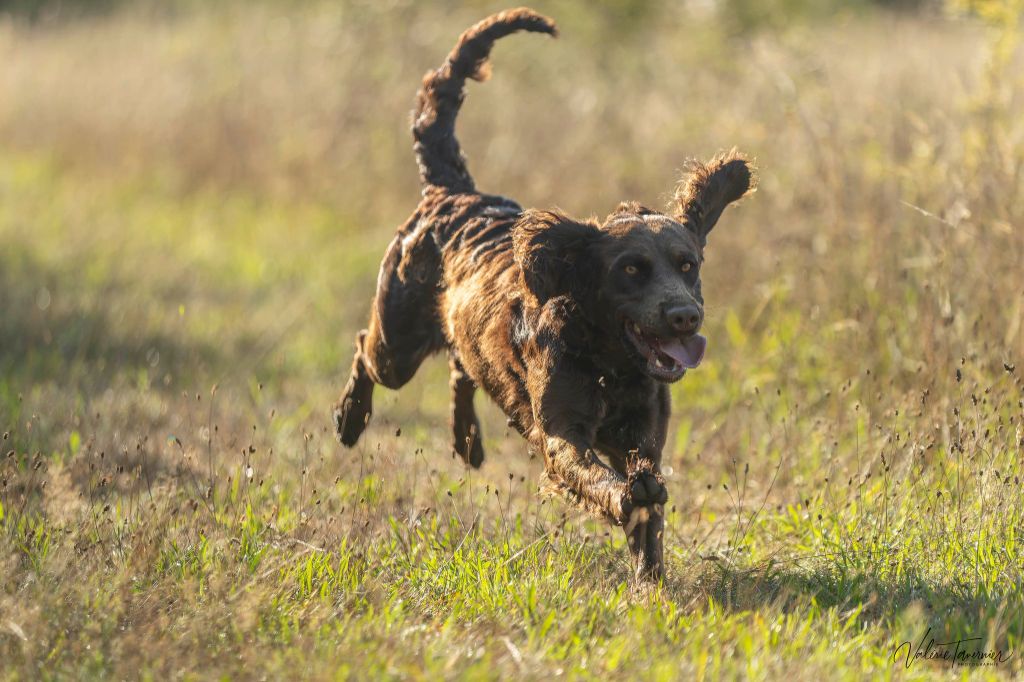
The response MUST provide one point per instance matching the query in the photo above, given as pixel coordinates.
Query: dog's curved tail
(438, 101)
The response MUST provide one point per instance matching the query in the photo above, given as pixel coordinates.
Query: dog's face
(649, 290)
(637, 276)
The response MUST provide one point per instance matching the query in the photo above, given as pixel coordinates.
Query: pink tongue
(687, 352)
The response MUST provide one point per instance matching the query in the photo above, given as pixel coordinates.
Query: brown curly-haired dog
(575, 329)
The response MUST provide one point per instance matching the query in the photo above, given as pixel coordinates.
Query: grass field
(193, 203)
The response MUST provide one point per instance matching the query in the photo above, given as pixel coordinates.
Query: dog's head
(637, 276)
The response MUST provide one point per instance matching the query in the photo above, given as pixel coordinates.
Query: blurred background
(265, 145)
(194, 198)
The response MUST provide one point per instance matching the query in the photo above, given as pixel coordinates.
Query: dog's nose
(684, 319)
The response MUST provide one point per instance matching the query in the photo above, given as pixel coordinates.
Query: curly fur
(530, 306)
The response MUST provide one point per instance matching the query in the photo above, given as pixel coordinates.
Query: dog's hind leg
(403, 330)
(465, 425)
(354, 407)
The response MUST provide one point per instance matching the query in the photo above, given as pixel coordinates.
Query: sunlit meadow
(193, 202)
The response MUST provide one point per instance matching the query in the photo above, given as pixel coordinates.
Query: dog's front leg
(635, 502)
(567, 410)
(585, 479)
(645, 527)
(633, 441)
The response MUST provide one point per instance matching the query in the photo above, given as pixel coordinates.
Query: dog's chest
(622, 401)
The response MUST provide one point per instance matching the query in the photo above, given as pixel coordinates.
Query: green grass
(844, 470)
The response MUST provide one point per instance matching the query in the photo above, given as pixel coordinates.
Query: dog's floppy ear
(708, 188)
(552, 249)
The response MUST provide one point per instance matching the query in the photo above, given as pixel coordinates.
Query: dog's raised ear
(708, 188)
(552, 251)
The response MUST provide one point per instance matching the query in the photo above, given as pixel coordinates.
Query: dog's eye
(631, 270)
(686, 266)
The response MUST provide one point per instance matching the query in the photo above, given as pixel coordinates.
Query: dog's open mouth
(667, 358)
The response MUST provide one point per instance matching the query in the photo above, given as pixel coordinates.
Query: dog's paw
(466, 444)
(645, 493)
(647, 488)
(348, 424)
(352, 411)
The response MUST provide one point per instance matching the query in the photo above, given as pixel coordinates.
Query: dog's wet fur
(574, 328)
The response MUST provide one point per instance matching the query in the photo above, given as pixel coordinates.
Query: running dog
(576, 329)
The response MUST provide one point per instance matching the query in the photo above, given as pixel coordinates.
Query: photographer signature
(957, 652)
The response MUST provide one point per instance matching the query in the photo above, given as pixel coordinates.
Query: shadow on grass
(63, 343)
(910, 605)
(54, 330)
